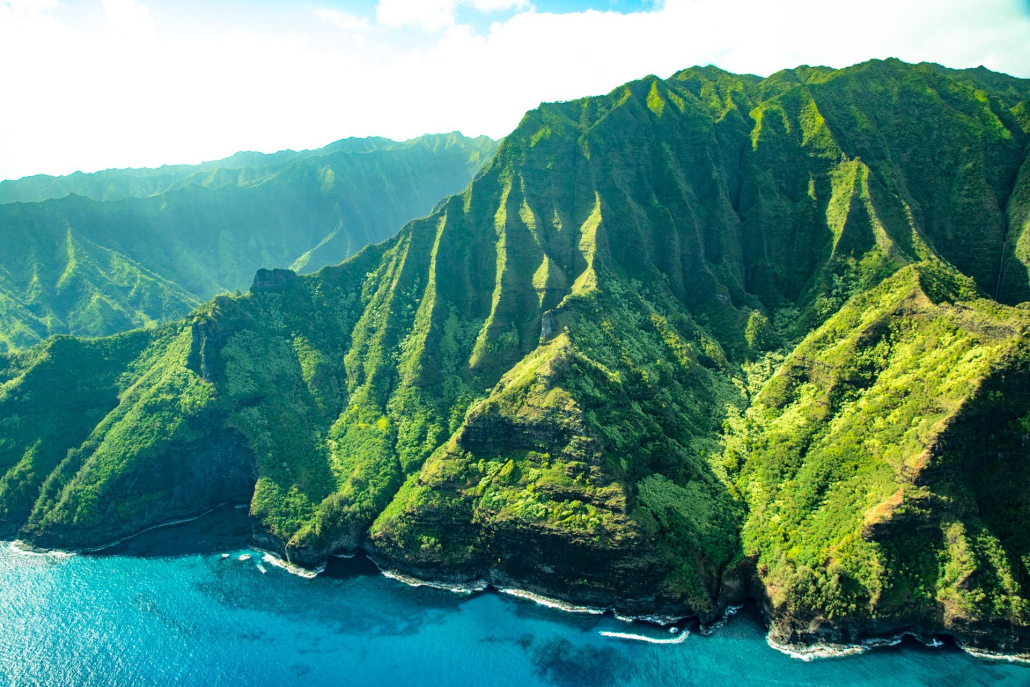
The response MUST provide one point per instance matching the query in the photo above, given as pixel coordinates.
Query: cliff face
(884, 466)
(696, 339)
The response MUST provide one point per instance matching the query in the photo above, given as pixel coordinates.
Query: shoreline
(1019, 659)
(549, 602)
(806, 653)
(47, 551)
(729, 612)
(539, 599)
(463, 589)
(815, 652)
(291, 568)
(802, 652)
(18, 548)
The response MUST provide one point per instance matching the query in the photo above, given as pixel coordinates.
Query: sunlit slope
(89, 267)
(673, 345)
(885, 465)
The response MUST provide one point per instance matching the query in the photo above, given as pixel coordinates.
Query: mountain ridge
(204, 232)
(36, 188)
(691, 341)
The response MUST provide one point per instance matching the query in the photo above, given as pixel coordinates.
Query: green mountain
(242, 169)
(695, 340)
(128, 248)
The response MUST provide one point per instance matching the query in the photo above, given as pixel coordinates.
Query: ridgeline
(695, 340)
(97, 254)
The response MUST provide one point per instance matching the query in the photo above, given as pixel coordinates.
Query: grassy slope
(871, 495)
(547, 378)
(83, 266)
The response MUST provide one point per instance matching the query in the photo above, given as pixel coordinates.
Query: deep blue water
(193, 618)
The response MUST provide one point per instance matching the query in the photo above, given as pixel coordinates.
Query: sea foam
(290, 567)
(457, 588)
(678, 639)
(819, 651)
(19, 548)
(816, 651)
(549, 602)
(1021, 659)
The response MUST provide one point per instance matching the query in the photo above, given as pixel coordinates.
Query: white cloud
(26, 8)
(345, 21)
(433, 15)
(429, 14)
(126, 17)
(185, 98)
(497, 5)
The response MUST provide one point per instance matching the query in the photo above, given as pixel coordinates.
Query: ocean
(167, 608)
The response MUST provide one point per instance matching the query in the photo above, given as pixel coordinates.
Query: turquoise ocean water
(167, 609)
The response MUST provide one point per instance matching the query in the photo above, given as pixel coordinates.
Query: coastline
(19, 548)
(806, 652)
(550, 602)
(818, 651)
(814, 652)
(30, 548)
(291, 568)
(1020, 659)
(471, 588)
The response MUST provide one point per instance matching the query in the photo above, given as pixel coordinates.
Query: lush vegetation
(863, 460)
(690, 329)
(94, 254)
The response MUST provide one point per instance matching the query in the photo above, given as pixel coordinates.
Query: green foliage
(47, 412)
(759, 334)
(834, 449)
(155, 408)
(693, 519)
(94, 254)
(690, 326)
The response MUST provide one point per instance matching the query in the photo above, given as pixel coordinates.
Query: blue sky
(90, 84)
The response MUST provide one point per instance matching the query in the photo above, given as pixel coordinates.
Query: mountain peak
(690, 338)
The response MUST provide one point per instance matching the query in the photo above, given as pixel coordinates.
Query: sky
(95, 84)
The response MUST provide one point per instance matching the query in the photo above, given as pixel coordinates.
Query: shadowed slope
(546, 381)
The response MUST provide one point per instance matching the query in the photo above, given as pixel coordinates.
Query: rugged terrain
(695, 340)
(97, 254)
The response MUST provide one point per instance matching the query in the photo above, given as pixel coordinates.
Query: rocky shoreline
(815, 642)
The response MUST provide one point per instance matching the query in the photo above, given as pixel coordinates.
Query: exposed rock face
(272, 279)
(547, 327)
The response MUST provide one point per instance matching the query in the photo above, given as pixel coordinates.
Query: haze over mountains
(95, 254)
(696, 340)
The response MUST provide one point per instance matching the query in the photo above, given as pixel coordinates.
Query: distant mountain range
(697, 340)
(95, 254)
